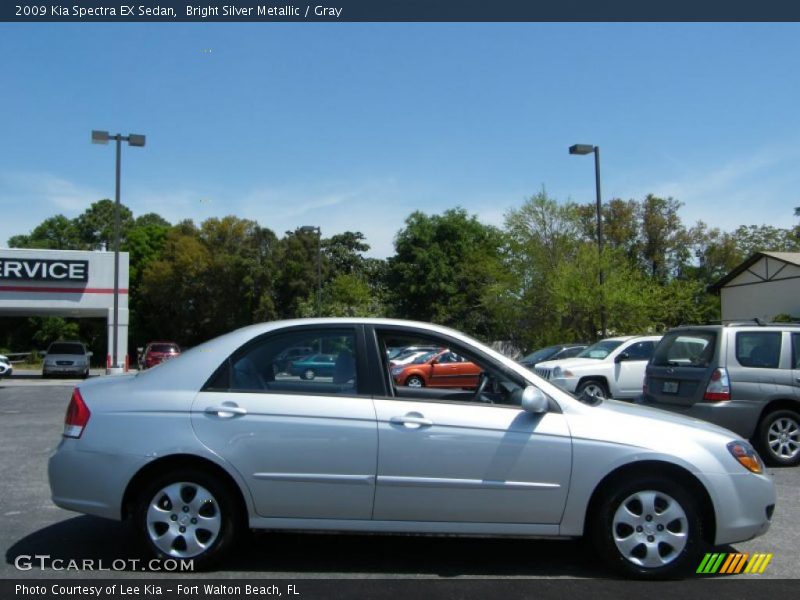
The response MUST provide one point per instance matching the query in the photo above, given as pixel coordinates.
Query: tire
(202, 531)
(595, 387)
(665, 546)
(415, 381)
(779, 438)
(309, 374)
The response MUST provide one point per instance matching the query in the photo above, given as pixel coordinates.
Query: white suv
(611, 368)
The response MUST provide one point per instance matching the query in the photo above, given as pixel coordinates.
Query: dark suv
(743, 376)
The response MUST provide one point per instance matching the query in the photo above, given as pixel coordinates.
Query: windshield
(541, 355)
(66, 349)
(425, 357)
(600, 350)
(163, 348)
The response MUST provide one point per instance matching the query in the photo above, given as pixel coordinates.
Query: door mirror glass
(621, 357)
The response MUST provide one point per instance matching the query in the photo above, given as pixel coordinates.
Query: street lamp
(133, 139)
(318, 231)
(589, 149)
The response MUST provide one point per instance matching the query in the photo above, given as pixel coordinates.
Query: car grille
(545, 373)
(65, 363)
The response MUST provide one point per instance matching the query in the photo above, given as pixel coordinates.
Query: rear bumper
(739, 416)
(90, 482)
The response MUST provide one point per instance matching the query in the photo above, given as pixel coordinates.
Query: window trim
(362, 386)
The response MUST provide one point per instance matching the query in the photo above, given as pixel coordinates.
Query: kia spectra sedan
(217, 440)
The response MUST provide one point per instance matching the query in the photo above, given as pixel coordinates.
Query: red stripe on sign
(59, 290)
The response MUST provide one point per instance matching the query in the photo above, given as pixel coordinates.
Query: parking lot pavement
(31, 420)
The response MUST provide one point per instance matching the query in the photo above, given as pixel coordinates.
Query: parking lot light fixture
(318, 231)
(582, 149)
(133, 139)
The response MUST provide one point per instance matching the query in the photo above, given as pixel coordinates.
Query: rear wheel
(188, 514)
(779, 438)
(309, 374)
(649, 528)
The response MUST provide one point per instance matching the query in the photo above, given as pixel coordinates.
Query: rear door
(681, 367)
(630, 372)
(796, 364)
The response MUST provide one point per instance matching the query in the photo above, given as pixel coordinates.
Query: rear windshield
(686, 349)
(64, 348)
(163, 348)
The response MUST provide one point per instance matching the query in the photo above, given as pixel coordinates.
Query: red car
(438, 369)
(157, 352)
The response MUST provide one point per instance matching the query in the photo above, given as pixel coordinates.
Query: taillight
(719, 388)
(77, 416)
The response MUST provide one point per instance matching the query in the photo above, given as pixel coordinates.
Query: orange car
(438, 369)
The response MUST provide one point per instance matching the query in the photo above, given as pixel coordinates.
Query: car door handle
(226, 412)
(418, 420)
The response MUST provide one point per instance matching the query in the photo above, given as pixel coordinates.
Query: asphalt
(31, 420)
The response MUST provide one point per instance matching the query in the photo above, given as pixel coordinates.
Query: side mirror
(621, 357)
(534, 401)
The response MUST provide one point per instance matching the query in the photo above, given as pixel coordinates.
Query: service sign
(35, 269)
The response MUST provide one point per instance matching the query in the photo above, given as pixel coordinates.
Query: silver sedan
(204, 446)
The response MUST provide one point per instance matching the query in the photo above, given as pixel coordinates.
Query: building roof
(792, 258)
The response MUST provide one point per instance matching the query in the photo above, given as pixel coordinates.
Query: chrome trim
(317, 478)
(390, 480)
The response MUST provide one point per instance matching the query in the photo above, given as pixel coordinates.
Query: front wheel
(309, 374)
(415, 381)
(188, 514)
(594, 388)
(649, 529)
(779, 438)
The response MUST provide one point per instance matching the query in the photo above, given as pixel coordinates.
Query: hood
(567, 363)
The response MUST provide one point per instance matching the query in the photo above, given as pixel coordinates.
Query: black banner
(400, 10)
(36, 269)
(182, 588)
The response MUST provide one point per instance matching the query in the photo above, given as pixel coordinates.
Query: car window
(796, 350)
(640, 350)
(694, 349)
(455, 375)
(268, 366)
(759, 349)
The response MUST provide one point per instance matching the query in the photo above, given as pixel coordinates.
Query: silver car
(66, 358)
(216, 441)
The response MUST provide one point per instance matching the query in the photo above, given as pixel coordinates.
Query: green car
(311, 366)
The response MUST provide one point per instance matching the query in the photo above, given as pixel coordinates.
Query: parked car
(284, 360)
(157, 352)
(66, 358)
(439, 368)
(742, 376)
(6, 369)
(611, 368)
(201, 448)
(321, 365)
(557, 352)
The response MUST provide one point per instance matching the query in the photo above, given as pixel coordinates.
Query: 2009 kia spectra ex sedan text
(218, 440)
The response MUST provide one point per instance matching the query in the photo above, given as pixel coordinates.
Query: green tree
(446, 269)
(57, 233)
(51, 329)
(96, 225)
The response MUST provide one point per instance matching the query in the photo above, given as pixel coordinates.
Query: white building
(765, 285)
(65, 283)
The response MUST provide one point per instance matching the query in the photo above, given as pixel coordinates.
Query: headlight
(746, 456)
(558, 372)
(397, 370)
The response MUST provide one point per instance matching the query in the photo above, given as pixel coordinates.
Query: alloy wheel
(183, 520)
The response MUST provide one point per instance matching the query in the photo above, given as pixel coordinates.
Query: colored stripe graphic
(733, 563)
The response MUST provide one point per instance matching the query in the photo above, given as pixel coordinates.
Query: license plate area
(669, 387)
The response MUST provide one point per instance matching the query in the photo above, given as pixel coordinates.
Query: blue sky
(354, 126)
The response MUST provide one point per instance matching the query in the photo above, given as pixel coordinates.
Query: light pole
(589, 149)
(318, 231)
(133, 139)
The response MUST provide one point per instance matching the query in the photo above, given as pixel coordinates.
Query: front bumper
(565, 383)
(744, 504)
(65, 370)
